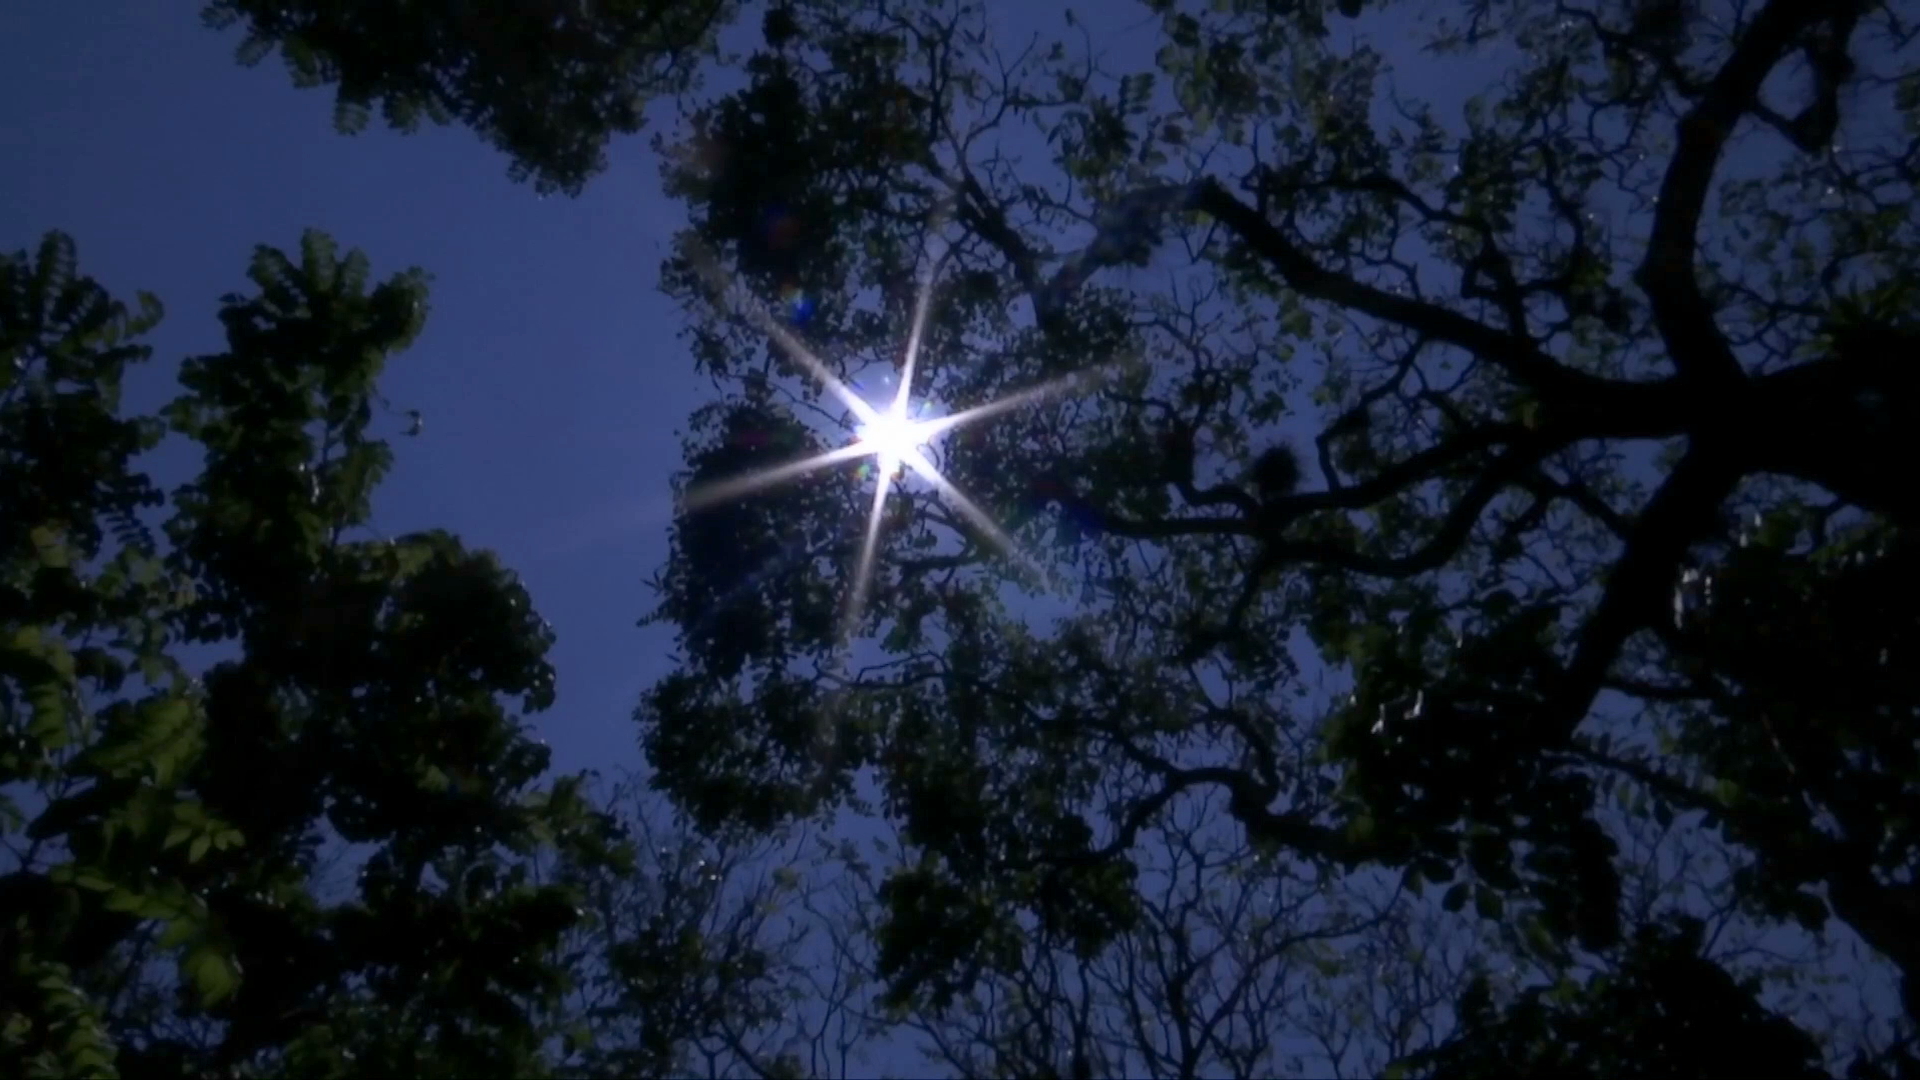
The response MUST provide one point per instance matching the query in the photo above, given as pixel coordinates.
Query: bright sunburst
(891, 435)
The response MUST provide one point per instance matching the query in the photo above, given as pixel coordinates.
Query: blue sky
(549, 374)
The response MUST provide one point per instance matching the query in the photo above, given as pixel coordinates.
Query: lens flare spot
(795, 304)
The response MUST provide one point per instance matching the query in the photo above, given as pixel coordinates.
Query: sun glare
(890, 434)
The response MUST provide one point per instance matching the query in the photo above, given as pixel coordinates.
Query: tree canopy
(549, 82)
(173, 904)
(1558, 425)
(1402, 567)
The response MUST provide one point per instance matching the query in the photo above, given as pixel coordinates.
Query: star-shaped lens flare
(890, 435)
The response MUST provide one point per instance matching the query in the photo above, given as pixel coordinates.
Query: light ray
(1029, 396)
(711, 494)
(888, 435)
(980, 519)
(716, 279)
(894, 437)
(921, 302)
(869, 551)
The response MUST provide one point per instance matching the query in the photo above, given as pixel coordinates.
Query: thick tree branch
(1514, 354)
(1695, 345)
(978, 211)
(1434, 554)
(1844, 422)
(1248, 802)
(1489, 260)
(1686, 508)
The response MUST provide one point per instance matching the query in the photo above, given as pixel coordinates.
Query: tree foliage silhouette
(1598, 382)
(371, 694)
(1666, 1011)
(1603, 385)
(549, 82)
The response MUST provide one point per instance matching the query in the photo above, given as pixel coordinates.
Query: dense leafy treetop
(549, 82)
(1550, 425)
(160, 814)
(1587, 375)
(1666, 1012)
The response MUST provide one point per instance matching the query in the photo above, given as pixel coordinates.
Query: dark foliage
(549, 82)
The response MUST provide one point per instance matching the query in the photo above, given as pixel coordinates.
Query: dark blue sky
(549, 374)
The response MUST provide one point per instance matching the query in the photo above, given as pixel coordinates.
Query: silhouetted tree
(1601, 387)
(1603, 384)
(549, 82)
(170, 903)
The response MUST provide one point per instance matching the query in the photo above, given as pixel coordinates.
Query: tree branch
(1686, 507)
(1513, 354)
(1695, 345)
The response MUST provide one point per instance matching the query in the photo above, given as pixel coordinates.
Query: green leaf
(50, 547)
(47, 701)
(93, 881)
(318, 258)
(179, 932)
(212, 972)
(253, 49)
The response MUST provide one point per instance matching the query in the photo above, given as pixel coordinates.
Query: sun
(893, 436)
(890, 434)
